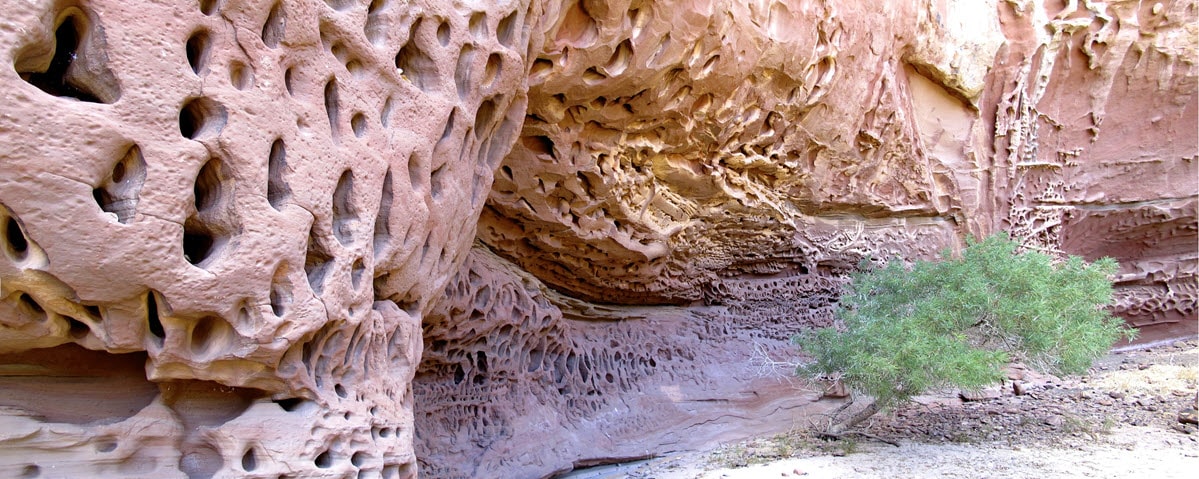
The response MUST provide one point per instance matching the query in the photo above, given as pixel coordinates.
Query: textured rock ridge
(227, 216)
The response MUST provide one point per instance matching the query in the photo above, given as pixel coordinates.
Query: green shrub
(957, 322)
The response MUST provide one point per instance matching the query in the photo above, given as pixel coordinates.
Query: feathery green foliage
(958, 322)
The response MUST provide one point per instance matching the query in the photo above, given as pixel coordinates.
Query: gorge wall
(277, 238)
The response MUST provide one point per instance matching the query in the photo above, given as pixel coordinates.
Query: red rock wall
(226, 220)
(227, 216)
(733, 160)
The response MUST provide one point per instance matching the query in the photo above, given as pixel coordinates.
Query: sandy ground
(1121, 421)
(1144, 455)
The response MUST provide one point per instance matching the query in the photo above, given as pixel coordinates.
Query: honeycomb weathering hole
(209, 336)
(385, 113)
(414, 64)
(287, 81)
(463, 71)
(505, 31)
(201, 118)
(275, 26)
(200, 461)
(357, 272)
(620, 58)
(375, 28)
(249, 461)
(69, 385)
(118, 193)
(443, 33)
(484, 117)
(324, 460)
(316, 263)
(15, 243)
(277, 189)
(344, 213)
(240, 76)
(436, 182)
(494, 64)
(198, 47)
(281, 295)
(578, 27)
(77, 329)
(416, 172)
(478, 25)
(199, 243)
(383, 219)
(74, 66)
(207, 190)
(358, 124)
(332, 107)
(153, 322)
(31, 308)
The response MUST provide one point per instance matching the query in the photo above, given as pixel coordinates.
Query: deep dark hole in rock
(55, 80)
(119, 193)
(290, 404)
(459, 374)
(15, 237)
(32, 305)
(201, 117)
(153, 323)
(248, 461)
(198, 244)
(197, 51)
(324, 460)
(77, 329)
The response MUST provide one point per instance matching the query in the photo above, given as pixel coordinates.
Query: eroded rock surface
(225, 217)
(735, 159)
(232, 222)
(521, 381)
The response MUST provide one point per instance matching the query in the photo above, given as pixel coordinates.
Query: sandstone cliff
(267, 238)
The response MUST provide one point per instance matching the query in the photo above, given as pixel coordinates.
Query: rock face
(708, 171)
(246, 229)
(226, 218)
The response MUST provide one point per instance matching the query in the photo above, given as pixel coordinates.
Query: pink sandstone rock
(226, 218)
(238, 237)
(735, 159)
